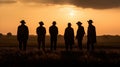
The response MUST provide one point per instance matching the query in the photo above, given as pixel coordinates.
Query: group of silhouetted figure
(23, 34)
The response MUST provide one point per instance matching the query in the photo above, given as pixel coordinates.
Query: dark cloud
(95, 4)
(45, 1)
(7, 1)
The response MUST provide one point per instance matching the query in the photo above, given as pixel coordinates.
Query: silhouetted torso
(80, 33)
(69, 37)
(41, 31)
(22, 33)
(91, 34)
(53, 30)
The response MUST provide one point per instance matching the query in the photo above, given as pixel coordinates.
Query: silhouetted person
(41, 32)
(69, 37)
(80, 34)
(53, 30)
(91, 36)
(22, 35)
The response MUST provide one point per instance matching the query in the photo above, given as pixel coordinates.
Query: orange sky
(107, 21)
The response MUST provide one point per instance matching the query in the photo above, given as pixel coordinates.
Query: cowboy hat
(22, 21)
(90, 21)
(41, 23)
(79, 23)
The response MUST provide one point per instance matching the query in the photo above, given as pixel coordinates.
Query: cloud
(95, 4)
(7, 1)
(45, 1)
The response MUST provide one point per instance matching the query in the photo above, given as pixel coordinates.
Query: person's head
(79, 23)
(69, 24)
(22, 21)
(41, 23)
(90, 21)
(54, 23)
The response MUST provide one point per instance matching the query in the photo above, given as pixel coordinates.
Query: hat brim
(90, 21)
(22, 22)
(78, 23)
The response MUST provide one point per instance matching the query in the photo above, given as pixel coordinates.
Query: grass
(106, 52)
(34, 57)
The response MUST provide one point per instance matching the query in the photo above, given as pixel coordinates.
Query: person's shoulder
(19, 26)
(66, 28)
(38, 27)
(93, 26)
(26, 26)
(44, 27)
(82, 26)
(56, 26)
(50, 27)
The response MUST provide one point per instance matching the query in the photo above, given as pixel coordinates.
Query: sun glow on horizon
(72, 13)
(68, 10)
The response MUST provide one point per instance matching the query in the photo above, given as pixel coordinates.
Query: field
(107, 51)
(105, 41)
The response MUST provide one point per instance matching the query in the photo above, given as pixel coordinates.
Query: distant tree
(117, 35)
(9, 34)
(1, 35)
(60, 35)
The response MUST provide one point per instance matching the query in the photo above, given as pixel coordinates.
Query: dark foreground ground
(12, 57)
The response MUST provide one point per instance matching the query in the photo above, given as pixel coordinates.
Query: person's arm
(18, 33)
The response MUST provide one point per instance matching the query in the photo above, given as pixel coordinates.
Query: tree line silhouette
(23, 35)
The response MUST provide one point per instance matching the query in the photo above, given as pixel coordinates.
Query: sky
(104, 13)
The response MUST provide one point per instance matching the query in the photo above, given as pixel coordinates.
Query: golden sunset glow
(106, 20)
(72, 13)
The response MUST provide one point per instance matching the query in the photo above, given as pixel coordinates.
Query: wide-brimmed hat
(22, 21)
(79, 23)
(90, 21)
(41, 23)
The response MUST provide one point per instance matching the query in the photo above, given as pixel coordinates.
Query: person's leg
(43, 44)
(70, 46)
(92, 46)
(80, 44)
(24, 44)
(66, 46)
(51, 44)
(39, 43)
(20, 44)
(88, 46)
(55, 44)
